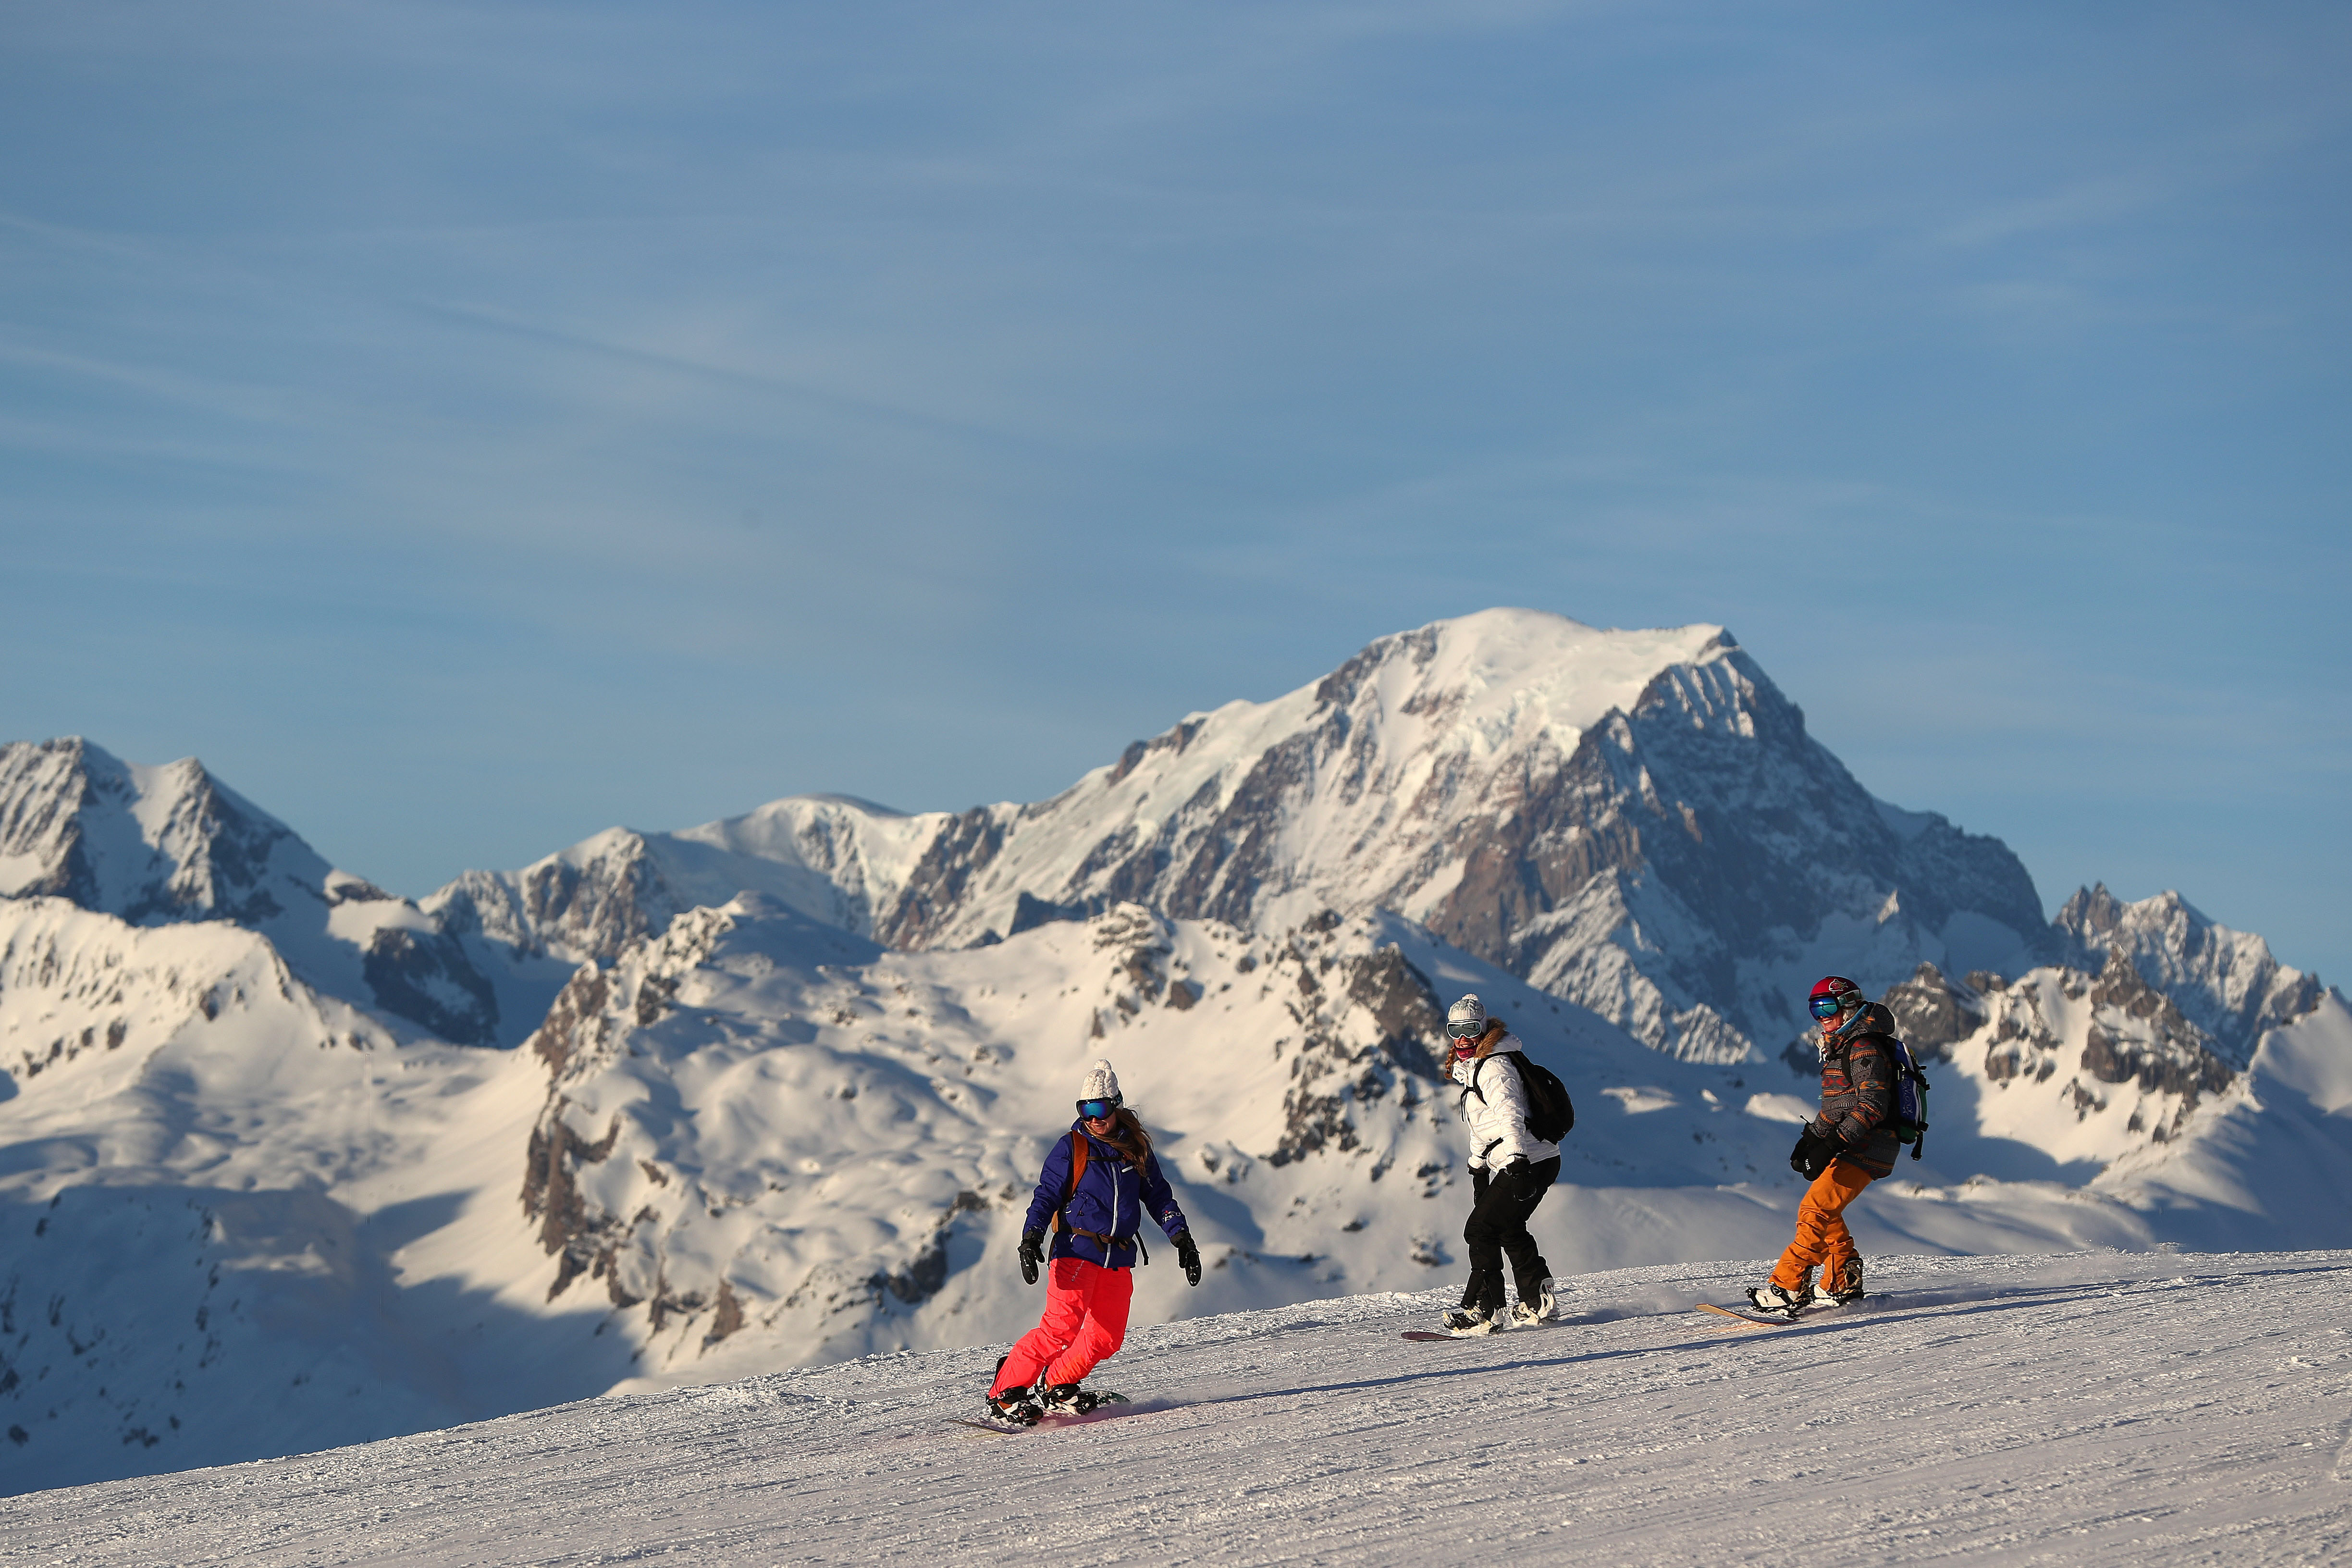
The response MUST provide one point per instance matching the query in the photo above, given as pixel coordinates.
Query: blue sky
(468, 426)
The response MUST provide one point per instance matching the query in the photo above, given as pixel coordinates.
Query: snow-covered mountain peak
(1498, 678)
(148, 844)
(2227, 982)
(156, 845)
(1636, 820)
(1476, 688)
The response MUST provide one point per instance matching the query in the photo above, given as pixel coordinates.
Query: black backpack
(1551, 1115)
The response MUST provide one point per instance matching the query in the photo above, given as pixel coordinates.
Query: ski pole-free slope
(2086, 1408)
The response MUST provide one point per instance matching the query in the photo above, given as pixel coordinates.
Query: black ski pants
(1498, 1225)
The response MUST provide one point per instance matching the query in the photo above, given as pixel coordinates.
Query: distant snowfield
(2087, 1408)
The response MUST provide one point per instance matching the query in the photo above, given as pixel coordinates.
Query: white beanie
(1100, 1083)
(1470, 1012)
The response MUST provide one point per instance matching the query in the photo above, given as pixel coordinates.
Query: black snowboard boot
(1067, 1399)
(1462, 1323)
(1015, 1406)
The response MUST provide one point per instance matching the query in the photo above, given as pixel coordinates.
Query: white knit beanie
(1100, 1083)
(1469, 1014)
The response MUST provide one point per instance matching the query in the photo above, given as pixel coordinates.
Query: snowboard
(1427, 1334)
(1757, 1320)
(1105, 1406)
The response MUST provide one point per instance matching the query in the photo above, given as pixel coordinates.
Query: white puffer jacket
(1495, 1107)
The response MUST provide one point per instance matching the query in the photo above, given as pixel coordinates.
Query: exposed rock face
(149, 845)
(2023, 1042)
(2225, 982)
(2136, 1032)
(165, 844)
(426, 978)
(1936, 1014)
(2113, 1048)
(587, 905)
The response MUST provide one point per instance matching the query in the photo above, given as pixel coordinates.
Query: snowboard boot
(1536, 1306)
(1844, 1288)
(1067, 1399)
(1462, 1323)
(1771, 1297)
(1015, 1405)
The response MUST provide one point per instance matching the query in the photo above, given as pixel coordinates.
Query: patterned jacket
(1858, 1090)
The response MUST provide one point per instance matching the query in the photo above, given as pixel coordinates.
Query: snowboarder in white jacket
(1510, 1169)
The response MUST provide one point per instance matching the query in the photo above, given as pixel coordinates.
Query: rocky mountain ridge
(2228, 981)
(157, 846)
(1635, 821)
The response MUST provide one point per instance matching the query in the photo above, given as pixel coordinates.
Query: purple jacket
(1111, 1200)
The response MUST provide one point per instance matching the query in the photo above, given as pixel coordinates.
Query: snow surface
(2094, 1408)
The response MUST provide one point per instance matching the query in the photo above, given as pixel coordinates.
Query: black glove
(1188, 1257)
(1814, 1150)
(1479, 1182)
(1033, 1253)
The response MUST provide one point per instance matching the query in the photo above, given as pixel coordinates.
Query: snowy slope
(759, 1141)
(208, 1175)
(2092, 1410)
(758, 1148)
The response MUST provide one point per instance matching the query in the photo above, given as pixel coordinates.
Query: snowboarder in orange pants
(1849, 1146)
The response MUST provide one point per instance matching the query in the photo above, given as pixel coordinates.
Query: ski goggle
(1095, 1109)
(1828, 1007)
(1465, 1029)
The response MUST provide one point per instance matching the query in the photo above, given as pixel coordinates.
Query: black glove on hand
(1479, 1182)
(1814, 1152)
(1033, 1253)
(1188, 1257)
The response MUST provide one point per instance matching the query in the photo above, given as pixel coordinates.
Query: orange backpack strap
(1078, 1169)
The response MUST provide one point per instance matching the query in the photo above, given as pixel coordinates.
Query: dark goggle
(1828, 1007)
(1095, 1109)
(1466, 1030)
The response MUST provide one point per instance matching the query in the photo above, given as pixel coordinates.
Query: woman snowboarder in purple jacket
(1099, 1183)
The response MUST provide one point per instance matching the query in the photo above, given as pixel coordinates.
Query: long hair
(1128, 1136)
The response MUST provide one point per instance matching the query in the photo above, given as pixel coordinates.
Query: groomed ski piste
(2085, 1408)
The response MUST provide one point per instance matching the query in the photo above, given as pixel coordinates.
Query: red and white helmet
(1832, 995)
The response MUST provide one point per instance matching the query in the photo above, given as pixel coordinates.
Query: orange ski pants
(1821, 1235)
(1083, 1325)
